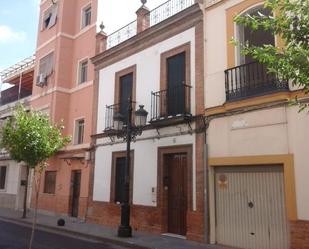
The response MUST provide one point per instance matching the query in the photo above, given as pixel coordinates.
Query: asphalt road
(14, 236)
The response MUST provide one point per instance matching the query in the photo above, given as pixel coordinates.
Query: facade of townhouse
(13, 175)
(159, 64)
(63, 88)
(257, 142)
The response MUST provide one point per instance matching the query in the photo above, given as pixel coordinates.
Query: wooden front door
(75, 192)
(175, 181)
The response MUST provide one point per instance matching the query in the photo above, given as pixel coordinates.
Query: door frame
(286, 160)
(72, 191)
(162, 200)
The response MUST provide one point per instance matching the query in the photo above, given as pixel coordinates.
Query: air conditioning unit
(41, 80)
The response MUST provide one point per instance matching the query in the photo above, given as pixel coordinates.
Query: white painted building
(161, 68)
(13, 175)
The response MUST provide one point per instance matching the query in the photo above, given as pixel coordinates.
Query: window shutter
(53, 17)
(42, 67)
(45, 67)
(49, 64)
(126, 91)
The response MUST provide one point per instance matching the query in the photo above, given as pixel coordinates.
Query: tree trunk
(37, 183)
(26, 194)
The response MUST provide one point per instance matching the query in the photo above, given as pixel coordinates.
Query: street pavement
(80, 229)
(14, 236)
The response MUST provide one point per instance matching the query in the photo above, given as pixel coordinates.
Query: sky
(19, 24)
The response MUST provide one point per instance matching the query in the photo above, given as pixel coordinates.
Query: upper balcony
(13, 94)
(20, 77)
(250, 80)
(168, 107)
(155, 16)
(171, 106)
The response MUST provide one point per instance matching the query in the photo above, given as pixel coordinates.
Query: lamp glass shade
(118, 121)
(141, 116)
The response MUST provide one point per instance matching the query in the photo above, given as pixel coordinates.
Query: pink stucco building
(63, 87)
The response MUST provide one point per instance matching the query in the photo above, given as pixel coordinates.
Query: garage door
(250, 207)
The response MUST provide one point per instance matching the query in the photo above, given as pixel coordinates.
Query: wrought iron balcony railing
(171, 102)
(251, 79)
(111, 110)
(157, 15)
(122, 34)
(168, 9)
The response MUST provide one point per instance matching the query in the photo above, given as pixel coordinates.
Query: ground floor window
(50, 182)
(2, 176)
(119, 179)
(118, 176)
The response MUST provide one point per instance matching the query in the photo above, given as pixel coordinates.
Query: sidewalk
(79, 228)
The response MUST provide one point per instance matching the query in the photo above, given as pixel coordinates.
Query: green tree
(291, 23)
(29, 137)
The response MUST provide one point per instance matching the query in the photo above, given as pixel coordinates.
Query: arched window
(254, 37)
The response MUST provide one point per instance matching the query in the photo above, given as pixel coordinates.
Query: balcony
(251, 79)
(11, 95)
(171, 106)
(155, 16)
(110, 112)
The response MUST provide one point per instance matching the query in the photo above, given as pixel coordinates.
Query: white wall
(216, 52)
(275, 131)
(254, 133)
(12, 177)
(148, 74)
(145, 166)
(145, 152)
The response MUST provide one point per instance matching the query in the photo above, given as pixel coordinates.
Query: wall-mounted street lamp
(128, 132)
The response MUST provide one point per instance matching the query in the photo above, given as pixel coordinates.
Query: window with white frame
(86, 16)
(83, 71)
(79, 131)
(3, 172)
(50, 17)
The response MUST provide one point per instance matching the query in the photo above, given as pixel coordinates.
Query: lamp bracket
(157, 129)
(190, 128)
(112, 138)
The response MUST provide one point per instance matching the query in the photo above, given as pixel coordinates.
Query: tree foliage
(29, 137)
(290, 22)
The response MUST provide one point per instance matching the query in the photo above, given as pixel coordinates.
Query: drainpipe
(206, 184)
(202, 6)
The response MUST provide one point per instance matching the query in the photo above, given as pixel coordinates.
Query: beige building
(257, 143)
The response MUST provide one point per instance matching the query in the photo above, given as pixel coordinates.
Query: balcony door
(176, 75)
(253, 76)
(126, 86)
(257, 37)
